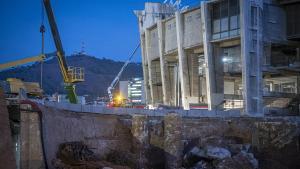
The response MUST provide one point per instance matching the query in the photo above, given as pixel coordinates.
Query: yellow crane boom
(71, 75)
(16, 84)
(7, 65)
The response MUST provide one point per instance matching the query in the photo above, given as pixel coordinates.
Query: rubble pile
(220, 156)
(76, 155)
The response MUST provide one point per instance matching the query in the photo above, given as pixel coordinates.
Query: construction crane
(117, 79)
(71, 75)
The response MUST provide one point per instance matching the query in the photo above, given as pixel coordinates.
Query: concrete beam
(183, 65)
(166, 88)
(147, 43)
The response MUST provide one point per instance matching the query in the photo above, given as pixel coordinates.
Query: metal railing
(76, 74)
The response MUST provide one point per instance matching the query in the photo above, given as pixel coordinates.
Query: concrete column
(298, 85)
(163, 65)
(141, 138)
(143, 51)
(173, 141)
(30, 141)
(183, 65)
(7, 157)
(212, 99)
(298, 54)
(147, 43)
(251, 53)
(267, 55)
(298, 77)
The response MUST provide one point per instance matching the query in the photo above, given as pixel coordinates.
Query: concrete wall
(102, 133)
(192, 28)
(153, 41)
(160, 142)
(273, 140)
(7, 158)
(31, 154)
(229, 87)
(152, 12)
(170, 35)
(274, 23)
(128, 111)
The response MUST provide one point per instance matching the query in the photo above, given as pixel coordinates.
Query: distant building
(133, 90)
(62, 98)
(123, 89)
(136, 91)
(224, 54)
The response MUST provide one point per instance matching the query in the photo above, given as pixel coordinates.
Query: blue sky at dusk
(108, 28)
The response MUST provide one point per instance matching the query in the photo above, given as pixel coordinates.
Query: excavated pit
(170, 141)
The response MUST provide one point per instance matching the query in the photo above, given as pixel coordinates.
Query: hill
(98, 74)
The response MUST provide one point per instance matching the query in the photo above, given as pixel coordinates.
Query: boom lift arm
(70, 75)
(38, 58)
(117, 78)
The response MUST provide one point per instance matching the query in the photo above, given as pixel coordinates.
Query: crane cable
(42, 31)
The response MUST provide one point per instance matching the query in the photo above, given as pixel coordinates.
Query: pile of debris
(76, 155)
(231, 156)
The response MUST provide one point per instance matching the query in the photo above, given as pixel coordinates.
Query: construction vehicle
(118, 100)
(71, 75)
(12, 87)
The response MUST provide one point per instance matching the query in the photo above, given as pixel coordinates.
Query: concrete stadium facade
(221, 54)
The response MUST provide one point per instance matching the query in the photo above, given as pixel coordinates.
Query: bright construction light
(226, 60)
(119, 98)
(136, 94)
(136, 100)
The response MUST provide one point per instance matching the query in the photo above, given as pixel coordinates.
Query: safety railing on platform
(76, 74)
